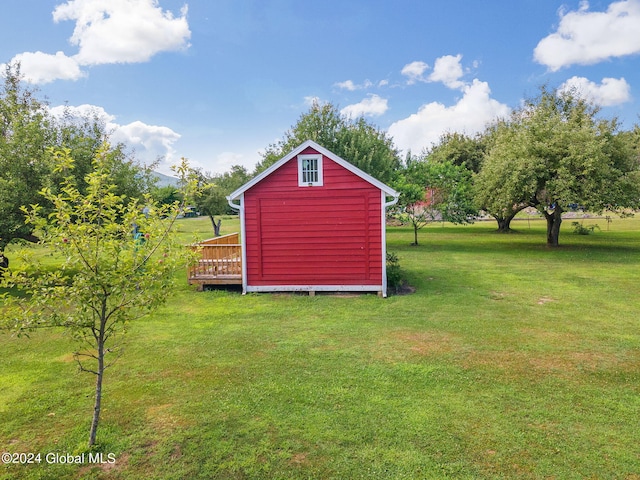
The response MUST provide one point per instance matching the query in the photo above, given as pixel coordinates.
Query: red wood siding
(329, 235)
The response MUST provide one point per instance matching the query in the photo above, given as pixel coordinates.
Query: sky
(217, 81)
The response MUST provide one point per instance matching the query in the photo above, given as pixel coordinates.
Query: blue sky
(216, 81)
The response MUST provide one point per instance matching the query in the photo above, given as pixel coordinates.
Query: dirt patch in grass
(423, 343)
(545, 300)
(299, 459)
(67, 358)
(540, 364)
(162, 418)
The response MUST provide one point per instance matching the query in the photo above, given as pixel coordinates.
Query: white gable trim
(310, 143)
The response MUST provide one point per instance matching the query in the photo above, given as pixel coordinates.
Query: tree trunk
(554, 220)
(216, 226)
(504, 223)
(415, 235)
(98, 399)
(100, 340)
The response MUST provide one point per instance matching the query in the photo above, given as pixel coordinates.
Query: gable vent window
(310, 170)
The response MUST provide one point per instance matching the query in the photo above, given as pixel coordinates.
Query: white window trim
(316, 156)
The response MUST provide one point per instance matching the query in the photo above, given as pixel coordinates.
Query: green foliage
(356, 141)
(26, 132)
(211, 197)
(555, 151)
(166, 195)
(85, 137)
(448, 190)
(580, 229)
(460, 150)
(117, 264)
(395, 276)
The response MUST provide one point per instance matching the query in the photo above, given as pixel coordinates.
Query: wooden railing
(220, 261)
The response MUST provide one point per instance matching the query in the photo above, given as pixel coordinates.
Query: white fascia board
(332, 156)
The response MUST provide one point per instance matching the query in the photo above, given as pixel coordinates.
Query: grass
(511, 360)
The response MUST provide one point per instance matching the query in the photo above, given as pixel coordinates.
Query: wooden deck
(220, 262)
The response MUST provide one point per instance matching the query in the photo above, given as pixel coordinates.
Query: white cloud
(346, 85)
(349, 85)
(471, 114)
(40, 68)
(117, 31)
(148, 141)
(415, 71)
(122, 31)
(586, 38)
(84, 111)
(448, 70)
(372, 106)
(612, 91)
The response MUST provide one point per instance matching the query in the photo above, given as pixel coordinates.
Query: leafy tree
(211, 198)
(25, 132)
(117, 264)
(553, 152)
(459, 149)
(166, 195)
(84, 136)
(432, 192)
(357, 141)
(503, 200)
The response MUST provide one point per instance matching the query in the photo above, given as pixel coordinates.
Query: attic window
(310, 170)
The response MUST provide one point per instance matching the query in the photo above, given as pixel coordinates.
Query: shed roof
(301, 148)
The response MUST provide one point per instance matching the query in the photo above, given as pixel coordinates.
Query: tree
(85, 135)
(117, 264)
(357, 141)
(554, 152)
(211, 198)
(166, 195)
(25, 132)
(432, 192)
(459, 149)
(498, 198)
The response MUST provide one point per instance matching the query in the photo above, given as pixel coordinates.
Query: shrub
(394, 273)
(580, 229)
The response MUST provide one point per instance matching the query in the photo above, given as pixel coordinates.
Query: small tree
(211, 197)
(117, 264)
(432, 192)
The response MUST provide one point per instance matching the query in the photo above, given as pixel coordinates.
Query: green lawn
(511, 360)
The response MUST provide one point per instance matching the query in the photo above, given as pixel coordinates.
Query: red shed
(313, 222)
